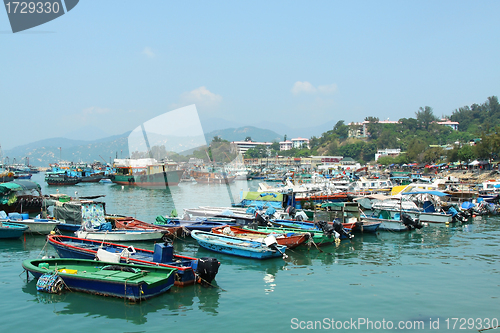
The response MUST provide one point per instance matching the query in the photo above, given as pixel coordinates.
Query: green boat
(132, 282)
(318, 237)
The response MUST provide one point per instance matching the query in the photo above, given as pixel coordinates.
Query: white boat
(39, 226)
(370, 185)
(388, 223)
(406, 202)
(122, 235)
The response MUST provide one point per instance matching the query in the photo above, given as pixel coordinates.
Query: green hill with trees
(421, 139)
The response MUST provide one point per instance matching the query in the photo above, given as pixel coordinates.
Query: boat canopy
(262, 199)
(19, 185)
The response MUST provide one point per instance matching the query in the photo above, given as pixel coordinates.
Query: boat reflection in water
(174, 302)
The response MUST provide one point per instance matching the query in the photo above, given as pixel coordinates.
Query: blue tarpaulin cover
(438, 193)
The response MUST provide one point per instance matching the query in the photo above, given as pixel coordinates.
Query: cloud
(148, 52)
(300, 87)
(306, 87)
(201, 96)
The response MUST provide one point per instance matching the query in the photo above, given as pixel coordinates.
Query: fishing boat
(212, 177)
(216, 179)
(9, 230)
(135, 224)
(366, 226)
(424, 205)
(40, 226)
(290, 240)
(21, 196)
(343, 230)
(239, 247)
(59, 178)
(35, 225)
(188, 268)
(6, 176)
(398, 222)
(146, 172)
(92, 177)
(318, 237)
(122, 235)
(202, 224)
(132, 282)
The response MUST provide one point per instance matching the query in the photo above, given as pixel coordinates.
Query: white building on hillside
(243, 146)
(300, 143)
(387, 152)
(286, 145)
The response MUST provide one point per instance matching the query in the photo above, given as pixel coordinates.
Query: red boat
(290, 241)
(132, 223)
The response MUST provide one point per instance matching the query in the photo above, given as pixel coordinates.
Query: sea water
(435, 279)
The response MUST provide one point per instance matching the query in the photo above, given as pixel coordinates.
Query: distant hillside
(44, 152)
(239, 134)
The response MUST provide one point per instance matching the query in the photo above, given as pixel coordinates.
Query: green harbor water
(412, 281)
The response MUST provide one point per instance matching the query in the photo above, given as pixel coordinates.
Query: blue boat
(9, 230)
(132, 282)
(238, 246)
(366, 226)
(188, 268)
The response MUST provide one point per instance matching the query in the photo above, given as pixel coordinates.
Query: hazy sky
(115, 64)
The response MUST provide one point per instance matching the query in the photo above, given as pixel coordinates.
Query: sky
(105, 67)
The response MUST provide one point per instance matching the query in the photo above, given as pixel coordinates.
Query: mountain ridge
(52, 150)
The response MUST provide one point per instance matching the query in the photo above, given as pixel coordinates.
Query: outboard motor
(411, 223)
(261, 220)
(459, 216)
(328, 229)
(207, 270)
(338, 227)
(290, 210)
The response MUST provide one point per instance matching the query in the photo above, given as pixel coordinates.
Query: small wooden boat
(135, 224)
(366, 226)
(60, 178)
(36, 225)
(215, 180)
(343, 230)
(237, 246)
(122, 235)
(317, 236)
(389, 223)
(132, 282)
(202, 225)
(21, 196)
(11, 230)
(188, 268)
(290, 240)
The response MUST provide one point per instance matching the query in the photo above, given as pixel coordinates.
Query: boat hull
(39, 226)
(386, 224)
(235, 246)
(77, 248)
(10, 230)
(90, 279)
(121, 235)
(158, 180)
(290, 240)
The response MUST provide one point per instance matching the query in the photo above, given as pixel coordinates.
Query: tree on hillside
(341, 130)
(218, 139)
(374, 128)
(425, 116)
(248, 139)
